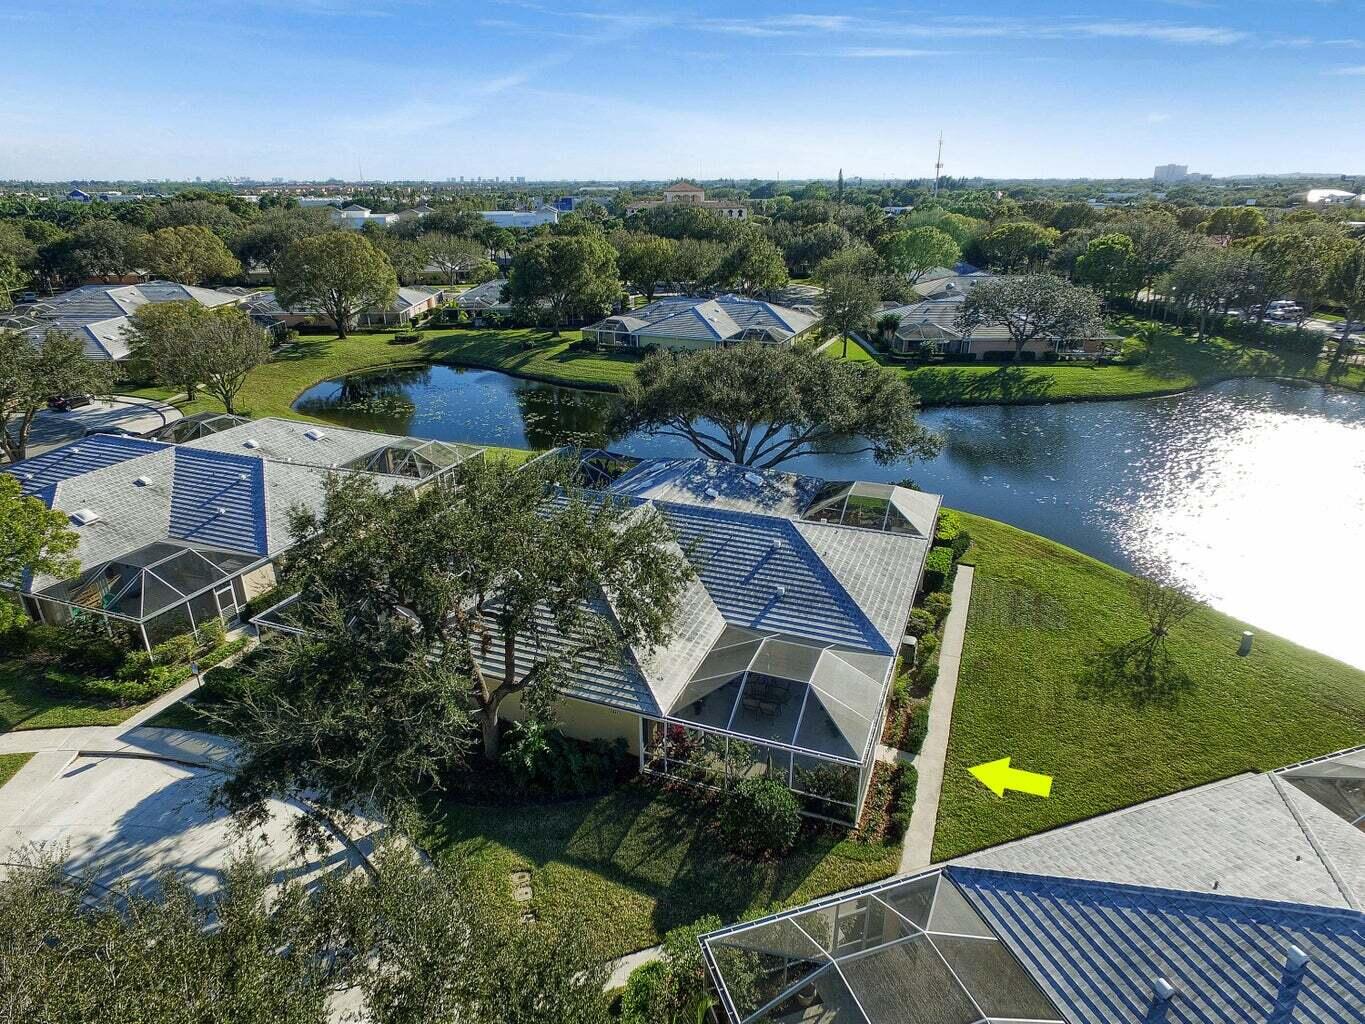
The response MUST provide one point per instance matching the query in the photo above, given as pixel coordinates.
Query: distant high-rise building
(1171, 172)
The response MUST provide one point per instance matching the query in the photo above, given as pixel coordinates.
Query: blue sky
(607, 89)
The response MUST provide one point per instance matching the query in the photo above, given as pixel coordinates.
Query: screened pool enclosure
(163, 589)
(759, 705)
(912, 951)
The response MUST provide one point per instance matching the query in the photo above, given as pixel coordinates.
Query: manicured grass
(272, 389)
(1174, 363)
(639, 861)
(26, 704)
(10, 765)
(1028, 689)
(856, 353)
(1334, 318)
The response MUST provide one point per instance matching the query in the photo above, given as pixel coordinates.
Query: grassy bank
(639, 861)
(1173, 363)
(272, 389)
(1030, 688)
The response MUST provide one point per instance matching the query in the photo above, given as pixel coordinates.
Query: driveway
(131, 817)
(51, 429)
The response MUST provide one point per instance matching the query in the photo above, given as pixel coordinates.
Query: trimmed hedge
(903, 802)
(951, 533)
(937, 568)
(938, 604)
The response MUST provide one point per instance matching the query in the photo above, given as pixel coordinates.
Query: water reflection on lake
(1252, 492)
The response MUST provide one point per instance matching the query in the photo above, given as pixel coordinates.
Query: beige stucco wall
(584, 721)
(258, 581)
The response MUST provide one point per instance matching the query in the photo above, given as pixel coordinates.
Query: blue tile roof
(219, 499)
(743, 559)
(84, 456)
(1096, 947)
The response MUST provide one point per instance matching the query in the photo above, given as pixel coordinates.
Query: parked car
(65, 403)
(117, 431)
(28, 296)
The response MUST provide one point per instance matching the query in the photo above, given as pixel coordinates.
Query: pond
(1251, 492)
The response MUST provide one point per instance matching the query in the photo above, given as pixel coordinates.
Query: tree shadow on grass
(1139, 673)
(947, 386)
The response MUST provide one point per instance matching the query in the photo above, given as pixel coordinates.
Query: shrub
(222, 652)
(1133, 352)
(135, 666)
(1048, 357)
(952, 533)
(646, 990)
(760, 816)
(921, 623)
(903, 803)
(938, 604)
(937, 567)
(407, 337)
(928, 672)
(212, 634)
(543, 760)
(84, 646)
(178, 650)
(916, 727)
(928, 645)
(14, 627)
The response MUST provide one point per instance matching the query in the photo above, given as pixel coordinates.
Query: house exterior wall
(584, 721)
(258, 581)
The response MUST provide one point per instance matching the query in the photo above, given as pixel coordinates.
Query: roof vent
(242, 477)
(85, 516)
(779, 591)
(251, 442)
(754, 478)
(775, 546)
(28, 476)
(1162, 989)
(1296, 959)
(142, 481)
(75, 449)
(221, 510)
(314, 434)
(712, 493)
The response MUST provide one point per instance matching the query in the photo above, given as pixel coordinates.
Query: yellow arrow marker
(998, 776)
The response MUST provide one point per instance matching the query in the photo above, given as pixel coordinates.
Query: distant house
(950, 284)
(78, 196)
(521, 218)
(266, 310)
(684, 193)
(415, 212)
(484, 299)
(98, 314)
(1331, 197)
(354, 217)
(931, 327)
(686, 323)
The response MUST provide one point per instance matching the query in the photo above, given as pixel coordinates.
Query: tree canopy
(918, 250)
(1018, 245)
(33, 537)
(762, 405)
(1031, 307)
(31, 373)
(189, 255)
(565, 275)
(340, 273)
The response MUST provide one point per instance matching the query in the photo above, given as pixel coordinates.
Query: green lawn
(638, 862)
(1038, 611)
(272, 389)
(856, 353)
(26, 704)
(1174, 363)
(10, 765)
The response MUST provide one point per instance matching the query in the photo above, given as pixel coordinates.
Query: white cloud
(1160, 32)
(875, 52)
(1155, 118)
(1356, 69)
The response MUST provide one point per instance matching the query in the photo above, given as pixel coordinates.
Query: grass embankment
(25, 703)
(641, 860)
(271, 389)
(10, 765)
(1173, 363)
(1040, 612)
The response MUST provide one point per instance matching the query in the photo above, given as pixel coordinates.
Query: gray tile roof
(98, 313)
(1239, 835)
(737, 488)
(1098, 948)
(723, 318)
(288, 441)
(486, 297)
(265, 304)
(880, 571)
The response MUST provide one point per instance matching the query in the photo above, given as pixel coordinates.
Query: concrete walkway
(621, 969)
(919, 838)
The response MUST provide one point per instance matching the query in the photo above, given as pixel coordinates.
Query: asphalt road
(51, 429)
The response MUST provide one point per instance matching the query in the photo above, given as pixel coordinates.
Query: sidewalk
(919, 838)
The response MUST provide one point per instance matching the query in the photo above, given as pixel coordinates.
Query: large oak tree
(32, 372)
(340, 274)
(1036, 306)
(762, 405)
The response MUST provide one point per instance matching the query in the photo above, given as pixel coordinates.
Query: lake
(1250, 492)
